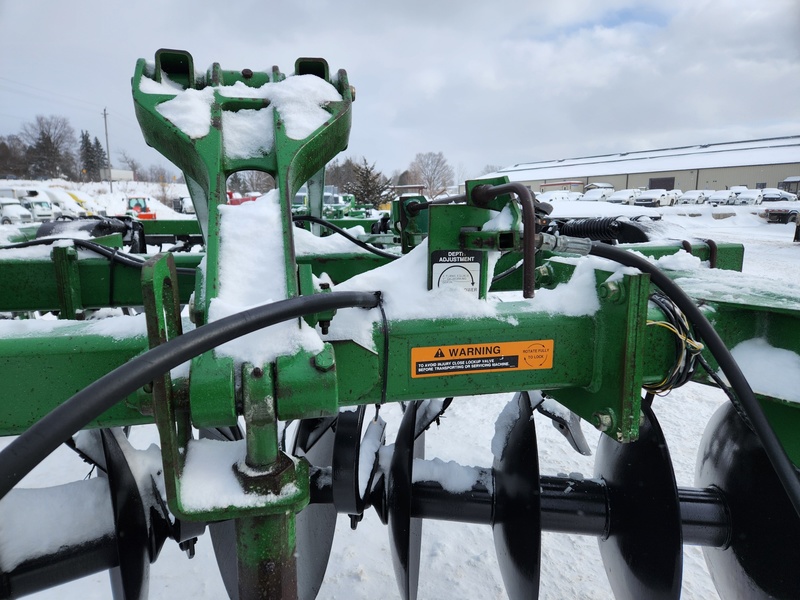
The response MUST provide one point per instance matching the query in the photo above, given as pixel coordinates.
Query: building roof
(769, 151)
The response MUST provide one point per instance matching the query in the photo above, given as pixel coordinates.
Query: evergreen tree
(99, 158)
(87, 163)
(369, 186)
(43, 159)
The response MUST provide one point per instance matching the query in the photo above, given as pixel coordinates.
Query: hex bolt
(544, 275)
(603, 420)
(611, 291)
(247, 73)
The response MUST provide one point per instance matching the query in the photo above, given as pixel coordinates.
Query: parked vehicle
(695, 197)
(781, 215)
(139, 207)
(749, 197)
(657, 197)
(624, 196)
(87, 203)
(13, 213)
(187, 206)
(63, 204)
(558, 196)
(597, 194)
(39, 207)
(722, 197)
(673, 196)
(776, 195)
(35, 202)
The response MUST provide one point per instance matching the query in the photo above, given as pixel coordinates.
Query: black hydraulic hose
(780, 461)
(44, 436)
(112, 254)
(343, 233)
(483, 193)
(415, 208)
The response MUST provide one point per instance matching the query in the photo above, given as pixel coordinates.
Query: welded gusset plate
(764, 552)
(643, 552)
(517, 503)
(405, 533)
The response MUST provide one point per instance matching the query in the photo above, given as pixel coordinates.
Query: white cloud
(485, 83)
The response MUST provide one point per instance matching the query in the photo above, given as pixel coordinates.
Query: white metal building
(753, 163)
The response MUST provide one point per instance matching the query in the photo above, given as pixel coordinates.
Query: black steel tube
(68, 564)
(705, 518)
(33, 446)
(484, 193)
(577, 506)
(430, 501)
(574, 506)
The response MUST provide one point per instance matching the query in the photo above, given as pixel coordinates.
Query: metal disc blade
(346, 489)
(516, 524)
(316, 523)
(761, 560)
(643, 554)
(131, 579)
(405, 533)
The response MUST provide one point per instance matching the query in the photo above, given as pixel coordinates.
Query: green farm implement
(261, 357)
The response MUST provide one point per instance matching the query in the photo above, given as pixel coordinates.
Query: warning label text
(432, 361)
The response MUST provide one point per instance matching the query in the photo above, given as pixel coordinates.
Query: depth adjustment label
(492, 357)
(456, 268)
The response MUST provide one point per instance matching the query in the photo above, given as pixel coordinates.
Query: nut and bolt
(611, 291)
(603, 420)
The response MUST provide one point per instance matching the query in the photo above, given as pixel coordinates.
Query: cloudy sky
(484, 83)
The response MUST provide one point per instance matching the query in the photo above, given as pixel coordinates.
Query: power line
(49, 93)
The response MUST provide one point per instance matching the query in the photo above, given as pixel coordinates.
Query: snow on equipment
(271, 325)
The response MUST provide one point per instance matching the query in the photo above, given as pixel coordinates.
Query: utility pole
(108, 153)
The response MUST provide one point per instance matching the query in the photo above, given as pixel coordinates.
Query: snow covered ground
(458, 560)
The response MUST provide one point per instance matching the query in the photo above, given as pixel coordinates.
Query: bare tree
(432, 170)
(490, 169)
(13, 156)
(257, 181)
(132, 164)
(51, 146)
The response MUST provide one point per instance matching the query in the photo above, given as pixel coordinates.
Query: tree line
(48, 148)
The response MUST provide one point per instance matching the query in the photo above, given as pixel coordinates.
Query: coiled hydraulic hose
(780, 461)
(606, 228)
(33, 446)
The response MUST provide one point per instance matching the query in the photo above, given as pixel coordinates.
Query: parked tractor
(476, 294)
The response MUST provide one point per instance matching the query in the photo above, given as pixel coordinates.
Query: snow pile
(251, 273)
(248, 133)
(453, 477)
(37, 522)
(208, 480)
(308, 244)
(770, 371)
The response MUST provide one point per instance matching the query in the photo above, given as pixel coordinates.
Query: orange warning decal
(492, 357)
